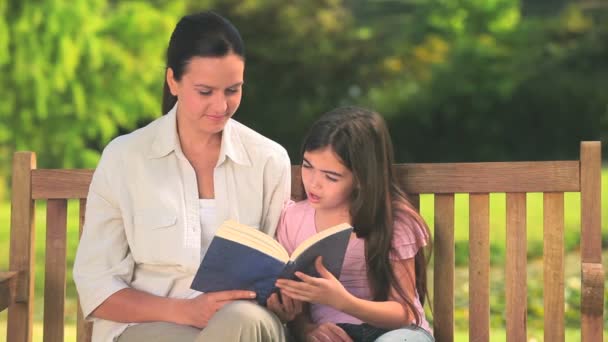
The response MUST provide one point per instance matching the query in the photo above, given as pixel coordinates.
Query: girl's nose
(315, 180)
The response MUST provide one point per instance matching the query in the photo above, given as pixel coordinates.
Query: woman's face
(209, 92)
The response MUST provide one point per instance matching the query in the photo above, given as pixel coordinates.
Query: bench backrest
(552, 178)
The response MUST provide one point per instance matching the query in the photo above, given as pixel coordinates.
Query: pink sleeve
(284, 235)
(408, 237)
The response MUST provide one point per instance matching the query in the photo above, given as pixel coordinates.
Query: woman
(160, 192)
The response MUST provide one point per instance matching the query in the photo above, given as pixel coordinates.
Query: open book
(243, 258)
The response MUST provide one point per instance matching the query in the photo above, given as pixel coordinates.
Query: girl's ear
(171, 82)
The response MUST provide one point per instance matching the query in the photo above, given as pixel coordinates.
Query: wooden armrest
(592, 292)
(8, 281)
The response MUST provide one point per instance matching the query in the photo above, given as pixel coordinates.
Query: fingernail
(252, 294)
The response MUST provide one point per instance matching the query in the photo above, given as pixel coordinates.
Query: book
(243, 258)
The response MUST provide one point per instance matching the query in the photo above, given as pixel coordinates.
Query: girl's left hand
(326, 290)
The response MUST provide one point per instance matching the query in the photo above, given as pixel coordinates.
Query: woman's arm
(130, 305)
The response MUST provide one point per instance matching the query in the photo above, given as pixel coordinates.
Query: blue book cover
(243, 258)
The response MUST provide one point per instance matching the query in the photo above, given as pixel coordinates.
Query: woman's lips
(216, 117)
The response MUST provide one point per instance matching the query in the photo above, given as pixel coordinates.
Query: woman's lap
(237, 321)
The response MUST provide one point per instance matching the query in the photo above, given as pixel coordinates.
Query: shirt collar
(232, 146)
(166, 140)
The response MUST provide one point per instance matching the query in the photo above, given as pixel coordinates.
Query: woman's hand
(287, 310)
(327, 332)
(326, 290)
(198, 311)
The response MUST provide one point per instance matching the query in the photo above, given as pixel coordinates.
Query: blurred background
(456, 80)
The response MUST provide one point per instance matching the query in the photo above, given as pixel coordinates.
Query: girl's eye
(331, 179)
(232, 90)
(306, 165)
(205, 93)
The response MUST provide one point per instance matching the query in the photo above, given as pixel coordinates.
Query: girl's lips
(313, 198)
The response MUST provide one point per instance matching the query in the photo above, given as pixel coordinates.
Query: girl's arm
(389, 314)
(328, 290)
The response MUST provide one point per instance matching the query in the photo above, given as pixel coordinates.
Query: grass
(497, 247)
(496, 335)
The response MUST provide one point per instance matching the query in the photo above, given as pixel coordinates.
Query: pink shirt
(298, 223)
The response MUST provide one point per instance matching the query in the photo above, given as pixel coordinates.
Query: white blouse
(143, 221)
(208, 226)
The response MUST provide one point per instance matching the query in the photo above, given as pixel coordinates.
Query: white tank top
(208, 223)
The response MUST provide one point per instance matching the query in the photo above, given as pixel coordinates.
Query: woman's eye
(306, 165)
(205, 93)
(232, 90)
(331, 179)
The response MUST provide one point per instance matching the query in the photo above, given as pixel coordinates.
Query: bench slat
(416, 178)
(55, 270)
(592, 321)
(443, 269)
(489, 177)
(297, 190)
(515, 271)
(20, 315)
(479, 268)
(553, 266)
(60, 183)
(83, 328)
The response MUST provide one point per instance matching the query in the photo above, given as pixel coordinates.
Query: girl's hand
(326, 290)
(287, 310)
(327, 332)
(198, 311)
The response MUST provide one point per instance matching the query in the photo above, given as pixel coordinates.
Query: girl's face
(327, 182)
(209, 92)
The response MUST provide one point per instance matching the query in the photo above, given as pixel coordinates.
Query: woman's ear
(171, 82)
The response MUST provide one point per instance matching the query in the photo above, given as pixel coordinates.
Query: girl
(348, 177)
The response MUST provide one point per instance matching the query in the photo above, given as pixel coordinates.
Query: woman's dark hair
(360, 138)
(204, 34)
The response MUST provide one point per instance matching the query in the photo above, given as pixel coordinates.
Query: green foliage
(484, 83)
(457, 80)
(74, 74)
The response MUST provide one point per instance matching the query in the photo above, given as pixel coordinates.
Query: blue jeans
(411, 333)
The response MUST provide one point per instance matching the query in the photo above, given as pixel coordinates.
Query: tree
(75, 73)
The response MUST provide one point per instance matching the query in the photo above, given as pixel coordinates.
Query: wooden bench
(552, 178)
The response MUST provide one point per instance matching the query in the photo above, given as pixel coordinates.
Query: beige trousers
(239, 321)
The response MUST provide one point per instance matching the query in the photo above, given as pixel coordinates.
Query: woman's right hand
(198, 311)
(327, 332)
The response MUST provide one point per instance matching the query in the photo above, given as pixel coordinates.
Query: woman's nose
(220, 104)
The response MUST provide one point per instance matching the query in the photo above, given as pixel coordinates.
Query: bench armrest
(8, 282)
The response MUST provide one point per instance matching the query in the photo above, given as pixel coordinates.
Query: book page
(249, 236)
(318, 237)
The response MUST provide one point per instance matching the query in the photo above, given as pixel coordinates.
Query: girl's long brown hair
(360, 138)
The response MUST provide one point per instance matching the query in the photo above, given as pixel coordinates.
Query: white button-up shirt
(142, 226)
